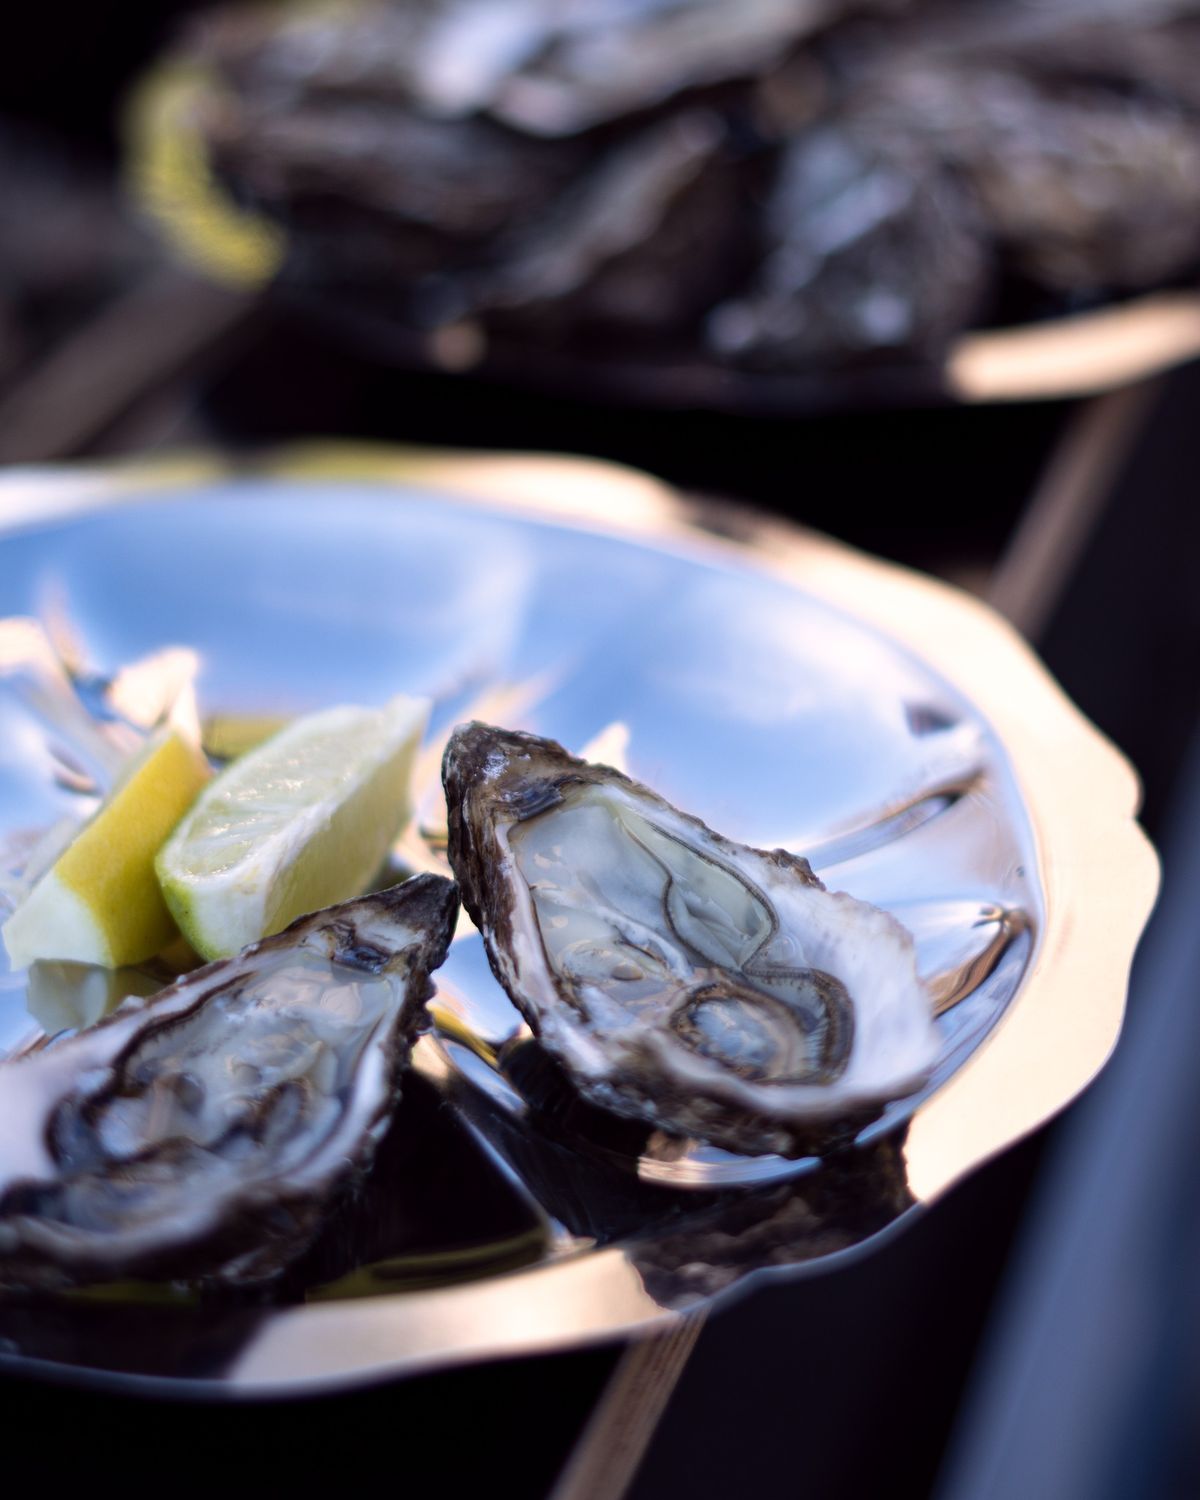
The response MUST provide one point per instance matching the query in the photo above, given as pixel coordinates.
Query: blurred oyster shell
(539, 66)
(1078, 187)
(870, 246)
(204, 1133)
(633, 244)
(708, 988)
(619, 189)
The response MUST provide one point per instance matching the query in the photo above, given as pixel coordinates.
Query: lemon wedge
(100, 902)
(303, 820)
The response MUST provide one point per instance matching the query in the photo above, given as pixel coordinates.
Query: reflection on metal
(961, 949)
(881, 829)
(1080, 355)
(409, 1273)
(327, 1343)
(63, 996)
(33, 675)
(156, 689)
(770, 683)
(610, 747)
(450, 1025)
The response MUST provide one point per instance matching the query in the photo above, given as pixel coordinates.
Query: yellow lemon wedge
(100, 902)
(300, 822)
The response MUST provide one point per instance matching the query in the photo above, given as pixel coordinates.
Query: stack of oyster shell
(771, 185)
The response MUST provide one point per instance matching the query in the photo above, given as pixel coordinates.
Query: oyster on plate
(204, 1133)
(708, 988)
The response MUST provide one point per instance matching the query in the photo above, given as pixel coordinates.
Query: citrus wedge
(300, 822)
(100, 902)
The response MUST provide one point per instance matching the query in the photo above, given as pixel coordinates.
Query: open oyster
(203, 1133)
(708, 988)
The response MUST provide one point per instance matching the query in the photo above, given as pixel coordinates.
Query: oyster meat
(710, 989)
(204, 1133)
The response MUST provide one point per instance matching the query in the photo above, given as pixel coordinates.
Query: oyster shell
(204, 1133)
(711, 989)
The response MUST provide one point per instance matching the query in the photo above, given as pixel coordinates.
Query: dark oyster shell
(854, 1196)
(1078, 186)
(656, 185)
(633, 245)
(708, 988)
(871, 247)
(204, 1133)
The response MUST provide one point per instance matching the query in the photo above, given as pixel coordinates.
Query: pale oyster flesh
(708, 988)
(204, 1133)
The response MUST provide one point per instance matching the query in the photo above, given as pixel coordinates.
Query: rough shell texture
(708, 988)
(204, 1133)
(527, 186)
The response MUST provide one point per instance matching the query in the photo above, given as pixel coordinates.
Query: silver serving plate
(783, 688)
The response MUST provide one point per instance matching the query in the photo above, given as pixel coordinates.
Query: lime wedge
(303, 820)
(100, 903)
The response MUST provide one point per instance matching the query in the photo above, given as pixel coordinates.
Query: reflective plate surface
(787, 691)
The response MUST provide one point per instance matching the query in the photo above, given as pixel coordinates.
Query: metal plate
(784, 689)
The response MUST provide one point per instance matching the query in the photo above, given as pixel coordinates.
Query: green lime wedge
(300, 822)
